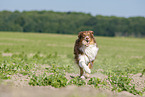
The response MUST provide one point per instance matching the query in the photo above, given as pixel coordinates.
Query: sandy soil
(18, 86)
(48, 91)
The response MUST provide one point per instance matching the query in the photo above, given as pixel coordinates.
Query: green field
(28, 53)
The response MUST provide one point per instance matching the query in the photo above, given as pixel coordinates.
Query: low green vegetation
(47, 58)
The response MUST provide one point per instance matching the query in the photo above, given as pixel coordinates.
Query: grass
(53, 53)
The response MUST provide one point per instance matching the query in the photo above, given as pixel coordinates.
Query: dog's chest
(90, 53)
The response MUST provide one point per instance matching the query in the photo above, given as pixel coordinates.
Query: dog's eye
(83, 36)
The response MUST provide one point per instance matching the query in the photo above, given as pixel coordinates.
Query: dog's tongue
(87, 44)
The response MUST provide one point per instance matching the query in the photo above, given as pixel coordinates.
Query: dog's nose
(87, 37)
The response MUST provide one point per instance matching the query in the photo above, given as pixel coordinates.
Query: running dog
(85, 51)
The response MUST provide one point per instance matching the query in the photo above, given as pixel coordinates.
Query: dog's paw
(87, 69)
(87, 75)
(82, 77)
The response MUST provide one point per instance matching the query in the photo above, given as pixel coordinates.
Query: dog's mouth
(86, 42)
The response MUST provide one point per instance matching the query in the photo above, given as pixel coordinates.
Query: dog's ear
(92, 32)
(80, 35)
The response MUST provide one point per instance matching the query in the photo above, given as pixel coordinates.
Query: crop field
(31, 61)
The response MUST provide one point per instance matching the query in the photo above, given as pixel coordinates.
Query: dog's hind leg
(81, 71)
(90, 65)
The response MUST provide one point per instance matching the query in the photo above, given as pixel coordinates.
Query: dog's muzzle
(87, 39)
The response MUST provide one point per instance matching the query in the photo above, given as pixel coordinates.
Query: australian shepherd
(85, 51)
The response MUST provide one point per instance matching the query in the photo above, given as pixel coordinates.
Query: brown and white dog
(85, 51)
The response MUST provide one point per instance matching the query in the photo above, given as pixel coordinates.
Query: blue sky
(122, 8)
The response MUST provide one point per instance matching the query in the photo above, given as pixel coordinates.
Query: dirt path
(48, 91)
(18, 87)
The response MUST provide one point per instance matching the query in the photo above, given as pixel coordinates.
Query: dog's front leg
(83, 65)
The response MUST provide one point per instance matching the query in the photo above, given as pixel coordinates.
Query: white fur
(91, 52)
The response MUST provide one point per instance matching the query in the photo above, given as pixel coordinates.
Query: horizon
(72, 12)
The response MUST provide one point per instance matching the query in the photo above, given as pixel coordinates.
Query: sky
(121, 8)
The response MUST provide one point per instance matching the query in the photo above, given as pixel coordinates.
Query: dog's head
(86, 37)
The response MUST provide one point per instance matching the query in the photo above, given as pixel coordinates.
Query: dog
(85, 51)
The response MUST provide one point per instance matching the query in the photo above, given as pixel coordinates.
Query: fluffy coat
(85, 51)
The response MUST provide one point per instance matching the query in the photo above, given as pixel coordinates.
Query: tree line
(71, 23)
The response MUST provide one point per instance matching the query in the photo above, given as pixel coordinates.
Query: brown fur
(79, 44)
